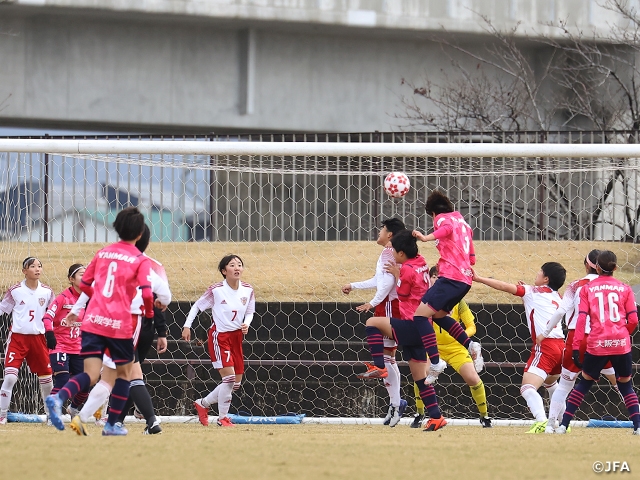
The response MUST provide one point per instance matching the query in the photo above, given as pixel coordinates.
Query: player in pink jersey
(385, 304)
(65, 357)
(232, 304)
(454, 241)
(29, 337)
(569, 309)
(117, 270)
(612, 310)
(541, 300)
(412, 284)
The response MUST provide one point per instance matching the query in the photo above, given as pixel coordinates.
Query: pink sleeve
(87, 278)
(472, 252)
(144, 282)
(51, 312)
(443, 231)
(404, 290)
(632, 312)
(582, 320)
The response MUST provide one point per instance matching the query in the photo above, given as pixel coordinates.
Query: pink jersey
(412, 284)
(229, 307)
(68, 336)
(540, 303)
(27, 307)
(118, 270)
(612, 309)
(454, 241)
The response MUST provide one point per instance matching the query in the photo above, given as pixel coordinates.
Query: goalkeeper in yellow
(452, 352)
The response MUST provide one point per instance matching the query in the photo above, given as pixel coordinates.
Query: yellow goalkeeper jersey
(462, 313)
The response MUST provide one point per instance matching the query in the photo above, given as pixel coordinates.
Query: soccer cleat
(225, 422)
(203, 412)
(434, 424)
(73, 411)
(538, 427)
(486, 422)
(114, 430)
(417, 421)
(475, 349)
(636, 431)
(374, 372)
(153, 429)
(3, 420)
(561, 430)
(434, 371)
(549, 429)
(137, 414)
(390, 413)
(77, 426)
(397, 413)
(54, 407)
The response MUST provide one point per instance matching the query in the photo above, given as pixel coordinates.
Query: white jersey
(159, 286)
(540, 303)
(27, 307)
(384, 282)
(229, 307)
(571, 302)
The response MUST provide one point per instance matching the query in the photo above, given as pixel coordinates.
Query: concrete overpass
(237, 65)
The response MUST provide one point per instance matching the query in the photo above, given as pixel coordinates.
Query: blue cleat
(54, 407)
(114, 430)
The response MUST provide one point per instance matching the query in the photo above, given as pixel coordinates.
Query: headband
(26, 261)
(589, 262)
(76, 270)
(605, 271)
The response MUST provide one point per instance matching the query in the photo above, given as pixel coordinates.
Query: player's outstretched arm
(496, 284)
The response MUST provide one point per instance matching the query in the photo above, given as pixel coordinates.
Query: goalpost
(304, 217)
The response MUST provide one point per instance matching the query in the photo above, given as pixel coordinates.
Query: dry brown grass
(349, 452)
(315, 271)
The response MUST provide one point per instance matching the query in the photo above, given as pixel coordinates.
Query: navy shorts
(406, 336)
(445, 294)
(622, 364)
(119, 349)
(66, 362)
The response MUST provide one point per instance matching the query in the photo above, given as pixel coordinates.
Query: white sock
(534, 401)
(558, 403)
(212, 397)
(46, 385)
(225, 394)
(97, 397)
(550, 388)
(10, 379)
(392, 382)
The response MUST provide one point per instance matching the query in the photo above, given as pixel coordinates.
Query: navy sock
(78, 400)
(376, 346)
(119, 396)
(631, 402)
(428, 396)
(454, 329)
(575, 399)
(79, 383)
(59, 381)
(428, 337)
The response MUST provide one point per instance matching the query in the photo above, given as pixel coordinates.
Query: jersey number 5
(614, 313)
(107, 290)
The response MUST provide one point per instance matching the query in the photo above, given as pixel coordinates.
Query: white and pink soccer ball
(396, 184)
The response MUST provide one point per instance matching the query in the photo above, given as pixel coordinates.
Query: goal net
(304, 217)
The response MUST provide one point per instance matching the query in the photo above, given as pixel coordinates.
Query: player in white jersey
(232, 304)
(29, 340)
(569, 309)
(385, 304)
(138, 391)
(541, 300)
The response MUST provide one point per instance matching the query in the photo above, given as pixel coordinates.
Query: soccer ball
(396, 184)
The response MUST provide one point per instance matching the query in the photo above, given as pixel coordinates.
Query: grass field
(315, 271)
(313, 452)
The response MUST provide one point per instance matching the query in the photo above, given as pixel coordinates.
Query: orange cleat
(225, 422)
(434, 424)
(374, 372)
(203, 412)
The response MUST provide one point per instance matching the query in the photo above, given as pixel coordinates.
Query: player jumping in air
(413, 282)
(65, 357)
(385, 304)
(541, 300)
(454, 241)
(611, 307)
(30, 338)
(569, 308)
(232, 304)
(118, 270)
